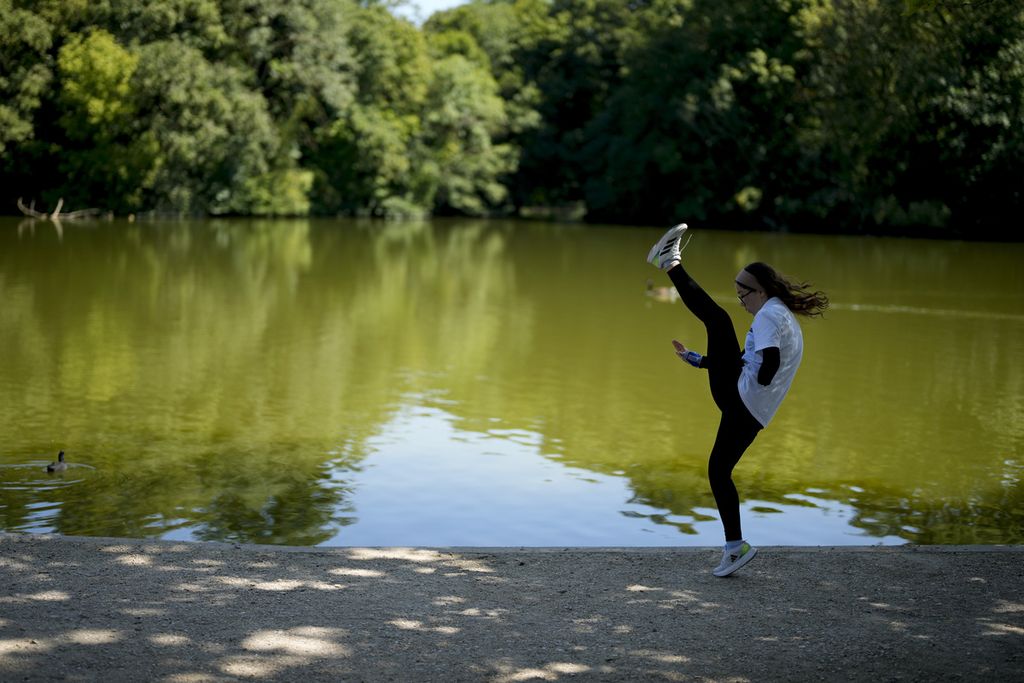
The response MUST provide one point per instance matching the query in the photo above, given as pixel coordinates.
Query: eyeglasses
(745, 294)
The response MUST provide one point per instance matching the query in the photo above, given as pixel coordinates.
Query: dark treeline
(872, 116)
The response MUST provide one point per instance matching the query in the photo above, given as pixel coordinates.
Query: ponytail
(798, 296)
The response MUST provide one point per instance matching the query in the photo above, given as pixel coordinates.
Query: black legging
(737, 428)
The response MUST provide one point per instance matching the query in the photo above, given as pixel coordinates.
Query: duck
(59, 465)
(666, 294)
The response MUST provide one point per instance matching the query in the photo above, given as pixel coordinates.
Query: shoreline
(89, 608)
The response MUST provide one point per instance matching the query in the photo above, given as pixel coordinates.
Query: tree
(292, 56)
(196, 23)
(576, 61)
(206, 134)
(789, 114)
(464, 115)
(367, 159)
(502, 38)
(918, 118)
(26, 73)
(98, 118)
(701, 125)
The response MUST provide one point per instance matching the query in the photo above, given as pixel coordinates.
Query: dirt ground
(92, 609)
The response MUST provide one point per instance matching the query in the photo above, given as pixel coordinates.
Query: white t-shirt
(774, 325)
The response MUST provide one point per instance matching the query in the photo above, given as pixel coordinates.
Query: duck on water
(59, 465)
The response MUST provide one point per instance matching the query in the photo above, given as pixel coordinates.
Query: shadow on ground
(88, 609)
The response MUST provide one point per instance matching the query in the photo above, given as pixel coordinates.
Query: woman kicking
(747, 384)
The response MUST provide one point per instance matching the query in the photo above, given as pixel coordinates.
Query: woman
(747, 385)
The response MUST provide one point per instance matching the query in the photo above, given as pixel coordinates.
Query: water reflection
(339, 382)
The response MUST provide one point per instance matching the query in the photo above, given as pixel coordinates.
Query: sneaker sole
(674, 233)
(737, 565)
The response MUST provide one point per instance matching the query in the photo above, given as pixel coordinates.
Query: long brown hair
(799, 297)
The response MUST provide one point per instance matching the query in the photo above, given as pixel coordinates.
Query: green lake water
(491, 383)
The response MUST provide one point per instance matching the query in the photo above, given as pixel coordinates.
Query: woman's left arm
(771, 359)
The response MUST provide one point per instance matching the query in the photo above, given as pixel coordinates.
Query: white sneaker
(665, 253)
(734, 560)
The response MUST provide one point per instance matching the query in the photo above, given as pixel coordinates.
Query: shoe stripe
(747, 553)
(667, 247)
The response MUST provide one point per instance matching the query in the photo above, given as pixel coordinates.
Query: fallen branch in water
(57, 216)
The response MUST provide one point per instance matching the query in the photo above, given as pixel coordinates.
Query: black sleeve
(705, 363)
(770, 361)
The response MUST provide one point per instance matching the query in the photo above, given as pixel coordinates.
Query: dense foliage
(884, 116)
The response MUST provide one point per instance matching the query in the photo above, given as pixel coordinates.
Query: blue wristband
(693, 358)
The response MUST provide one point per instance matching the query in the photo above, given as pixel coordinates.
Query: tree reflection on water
(228, 379)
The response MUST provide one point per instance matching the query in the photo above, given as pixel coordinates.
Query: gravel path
(92, 609)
